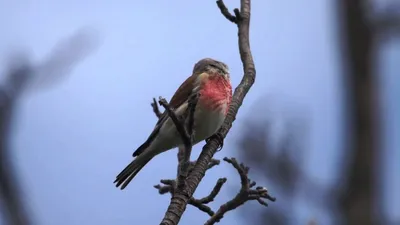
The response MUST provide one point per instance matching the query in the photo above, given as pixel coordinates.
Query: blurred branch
(357, 199)
(279, 155)
(20, 76)
(387, 22)
(64, 56)
(10, 191)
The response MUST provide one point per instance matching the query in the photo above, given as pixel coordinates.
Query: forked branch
(185, 129)
(169, 186)
(245, 194)
(181, 198)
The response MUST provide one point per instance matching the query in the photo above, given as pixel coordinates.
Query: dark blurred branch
(387, 22)
(357, 199)
(245, 194)
(279, 156)
(10, 191)
(64, 56)
(21, 76)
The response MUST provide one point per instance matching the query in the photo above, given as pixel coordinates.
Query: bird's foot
(219, 138)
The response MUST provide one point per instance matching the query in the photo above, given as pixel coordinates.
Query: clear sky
(71, 141)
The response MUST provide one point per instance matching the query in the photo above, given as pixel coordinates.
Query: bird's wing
(180, 97)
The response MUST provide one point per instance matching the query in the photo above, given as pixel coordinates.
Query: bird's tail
(130, 171)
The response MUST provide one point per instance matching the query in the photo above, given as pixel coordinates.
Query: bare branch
(226, 13)
(214, 192)
(181, 197)
(170, 187)
(186, 133)
(180, 127)
(185, 162)
(245, 194)
(214, 162)
(202, 207)
(181, 150)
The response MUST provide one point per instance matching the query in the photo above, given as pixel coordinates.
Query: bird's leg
(220, 139)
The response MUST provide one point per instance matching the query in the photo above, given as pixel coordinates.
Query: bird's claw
(219, 138)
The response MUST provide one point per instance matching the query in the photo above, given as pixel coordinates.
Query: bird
(210, 82)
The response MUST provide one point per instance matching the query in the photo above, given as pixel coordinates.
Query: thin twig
(180, 127)
(202, 207)
(214, 192)
(245, 194)
(170, 187)
(225, 12)
(214, 162)
(185, 162)
(181, 150)
(186, 135)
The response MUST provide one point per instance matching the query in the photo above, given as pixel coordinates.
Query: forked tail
(130, 171)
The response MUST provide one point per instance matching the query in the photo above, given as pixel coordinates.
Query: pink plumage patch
(216, 93)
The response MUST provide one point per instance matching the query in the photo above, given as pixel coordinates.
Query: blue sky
(70, 141)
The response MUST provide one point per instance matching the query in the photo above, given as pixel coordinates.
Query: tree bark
(180, 199)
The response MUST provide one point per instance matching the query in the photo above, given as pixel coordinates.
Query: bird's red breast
(216, 93)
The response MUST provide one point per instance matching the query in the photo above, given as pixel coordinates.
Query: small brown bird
(211, 82)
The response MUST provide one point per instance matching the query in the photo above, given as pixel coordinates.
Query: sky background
(70, 141)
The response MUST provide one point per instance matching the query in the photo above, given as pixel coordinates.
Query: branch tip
(245, 194)
(237, 14)
(225, 12)
(156, 110)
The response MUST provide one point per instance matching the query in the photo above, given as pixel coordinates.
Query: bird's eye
(221, 71)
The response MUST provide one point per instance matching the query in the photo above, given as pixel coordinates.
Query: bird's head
(211, 66)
